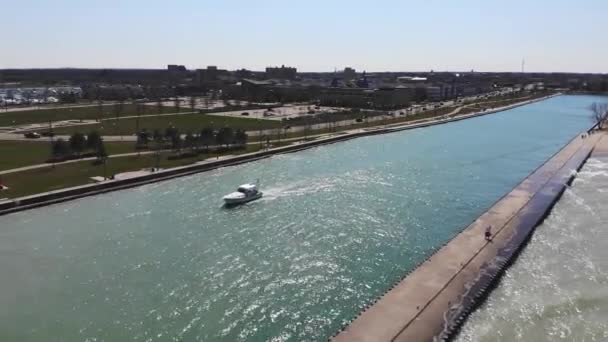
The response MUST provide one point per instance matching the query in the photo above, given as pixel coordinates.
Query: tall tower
(523, 64)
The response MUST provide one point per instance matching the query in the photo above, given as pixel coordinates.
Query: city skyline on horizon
(338, 70)
(387, 36)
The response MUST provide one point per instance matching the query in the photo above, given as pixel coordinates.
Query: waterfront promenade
(432, 301)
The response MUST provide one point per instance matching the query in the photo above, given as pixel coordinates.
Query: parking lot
(283, 112)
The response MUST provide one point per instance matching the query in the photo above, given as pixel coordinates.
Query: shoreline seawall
(52, 197)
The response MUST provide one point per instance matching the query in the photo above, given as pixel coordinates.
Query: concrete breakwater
(57, 196)
(432, 302)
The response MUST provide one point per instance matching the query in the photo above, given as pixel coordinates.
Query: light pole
(51, 140)
(260, 133)
(105, 177)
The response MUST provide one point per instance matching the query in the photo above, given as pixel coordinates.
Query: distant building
(392, 97)
(243, 73)
(411, 79)
(287, 73)
(112, 91)
(381, 98)
(346, 97)
(434, 93)
(362, 82)
(210, 75)
(176, 68)
(205, 75)
(349, 74)
(271, 91)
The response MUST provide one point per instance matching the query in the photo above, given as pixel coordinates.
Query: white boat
(245, 193)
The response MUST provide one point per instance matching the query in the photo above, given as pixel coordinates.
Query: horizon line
(313, 72)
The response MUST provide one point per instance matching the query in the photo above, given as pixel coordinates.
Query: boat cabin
(247, 188)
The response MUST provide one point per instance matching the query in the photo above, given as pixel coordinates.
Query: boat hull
(231, 202)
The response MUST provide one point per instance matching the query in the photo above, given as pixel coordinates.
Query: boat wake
(299, 189)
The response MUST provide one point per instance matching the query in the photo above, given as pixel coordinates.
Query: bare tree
(176, 104)
(159, 105)
(599, 113)
(192, 103)
(207, 102)
(138, 109)
(99, 110)
(118, 108)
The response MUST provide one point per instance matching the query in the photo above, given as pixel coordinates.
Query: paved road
(43, 107)
(20, 137)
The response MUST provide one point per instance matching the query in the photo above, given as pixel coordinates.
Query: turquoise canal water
(337, 225)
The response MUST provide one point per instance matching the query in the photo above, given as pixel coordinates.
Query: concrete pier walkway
(601, 148)
(431, 302)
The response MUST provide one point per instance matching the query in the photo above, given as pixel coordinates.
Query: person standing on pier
(488, 234)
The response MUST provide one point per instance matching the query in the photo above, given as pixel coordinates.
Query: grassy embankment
(16, 154)
(78, 173)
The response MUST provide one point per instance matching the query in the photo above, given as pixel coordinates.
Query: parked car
(47, 134)
(32, 135)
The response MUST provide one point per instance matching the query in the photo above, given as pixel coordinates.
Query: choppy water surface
(558, 288)
(338, 224)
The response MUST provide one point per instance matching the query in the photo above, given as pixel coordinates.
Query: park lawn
(119, 147)
(77, 113)
(78, 173)
(184, 123)
(14, 154)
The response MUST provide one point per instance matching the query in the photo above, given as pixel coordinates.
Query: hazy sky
(312, 35)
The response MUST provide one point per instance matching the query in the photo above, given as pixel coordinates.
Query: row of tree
(224, 137)
(78, 144)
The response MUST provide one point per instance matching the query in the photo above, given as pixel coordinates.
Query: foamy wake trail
(299, 188)
(358, 179)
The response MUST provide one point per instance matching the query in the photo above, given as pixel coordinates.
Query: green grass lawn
(76, 113)
(185, 123)
(66, 175)
(14, 154)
